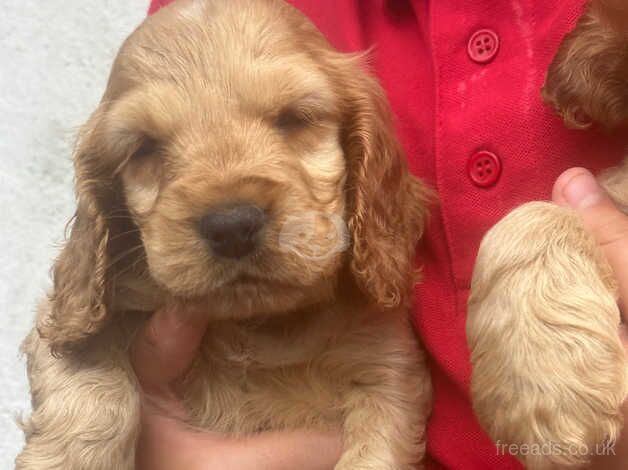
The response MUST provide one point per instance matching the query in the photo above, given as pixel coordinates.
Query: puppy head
(252, 163)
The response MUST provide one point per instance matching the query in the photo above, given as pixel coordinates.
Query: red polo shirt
(463, 78)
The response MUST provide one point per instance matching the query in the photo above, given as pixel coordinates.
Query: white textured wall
(55, 56)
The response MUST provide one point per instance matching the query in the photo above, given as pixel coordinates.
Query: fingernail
(582, 191)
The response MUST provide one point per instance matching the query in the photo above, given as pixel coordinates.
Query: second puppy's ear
(586, 82)
(612, 12)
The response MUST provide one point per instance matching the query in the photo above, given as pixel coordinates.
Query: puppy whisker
(122, 234)
(124, 255)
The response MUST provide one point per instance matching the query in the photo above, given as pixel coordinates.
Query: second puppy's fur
(231, 147)
(549, 371)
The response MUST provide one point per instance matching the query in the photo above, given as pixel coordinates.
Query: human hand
(577, 188)
(161, 355)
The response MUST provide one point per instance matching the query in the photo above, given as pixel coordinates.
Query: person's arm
(578, 189)
(161, 354)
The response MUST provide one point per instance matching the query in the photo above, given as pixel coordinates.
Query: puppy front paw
(549, 371)
(588, 80)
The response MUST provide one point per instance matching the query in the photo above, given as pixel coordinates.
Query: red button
(484, 169)
(483, 46)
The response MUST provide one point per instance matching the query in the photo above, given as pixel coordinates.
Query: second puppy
(550, 373)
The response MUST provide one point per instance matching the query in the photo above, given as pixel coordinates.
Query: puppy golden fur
(549, 370)
(212, 103)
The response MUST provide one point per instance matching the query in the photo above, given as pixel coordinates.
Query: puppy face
(237, 183)
(253, 163)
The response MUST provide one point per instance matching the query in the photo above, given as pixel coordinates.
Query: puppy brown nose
(233, 232)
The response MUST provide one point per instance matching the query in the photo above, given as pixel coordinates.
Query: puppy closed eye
(310, 111)
(146, 148)
(294, 119)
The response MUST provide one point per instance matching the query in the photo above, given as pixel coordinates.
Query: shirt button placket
(484, 168)
(483, 46)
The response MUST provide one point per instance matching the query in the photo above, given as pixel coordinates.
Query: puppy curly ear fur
(588, 80)
(388, 206)
(81, 291)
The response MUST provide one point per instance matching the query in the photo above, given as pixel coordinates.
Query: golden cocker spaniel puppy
(239, 166)
(549, 370)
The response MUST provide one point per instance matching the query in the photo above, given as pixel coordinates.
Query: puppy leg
(549, 370)
(85, 411)
(586, 82)
(387, 409)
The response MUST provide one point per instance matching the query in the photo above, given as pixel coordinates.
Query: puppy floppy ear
(388, 206)
(79, 301)
(586, 81)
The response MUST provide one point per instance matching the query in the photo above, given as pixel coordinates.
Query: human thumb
(577, 188)
(165, 347)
